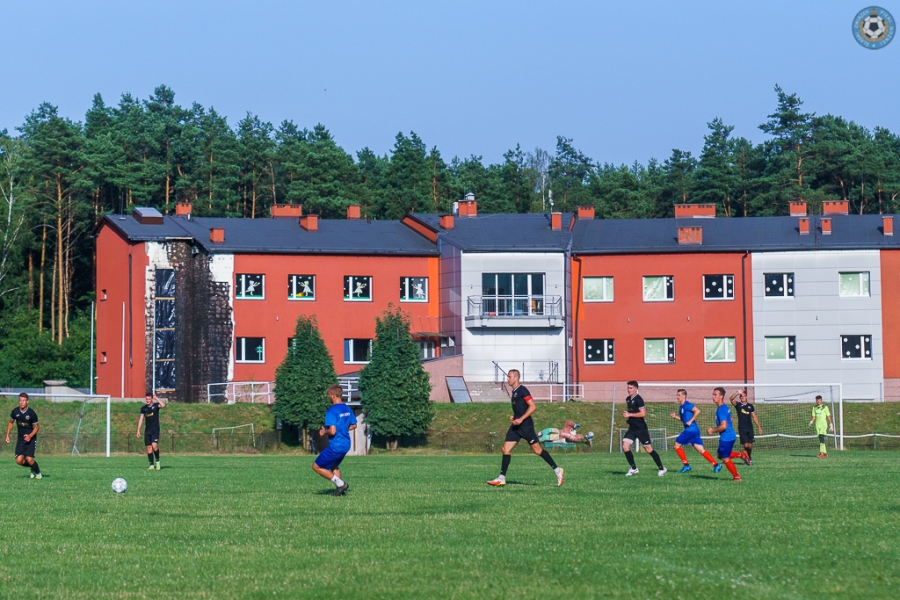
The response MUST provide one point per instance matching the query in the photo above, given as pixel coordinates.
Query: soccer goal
(231, 435)
(783, 410)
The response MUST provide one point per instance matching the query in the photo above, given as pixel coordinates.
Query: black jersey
(25, 420)
(635, 403)
(151, 416)
(745, 412)
(519, 398)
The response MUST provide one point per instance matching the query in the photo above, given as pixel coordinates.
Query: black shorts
(642, 435)
(747, 436)
(24, 448)
(525, 431)
(151, 437)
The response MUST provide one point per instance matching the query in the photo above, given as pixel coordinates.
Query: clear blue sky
(627, 80)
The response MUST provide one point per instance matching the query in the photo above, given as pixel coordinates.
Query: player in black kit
(150, 413)
(27, 422)
(745, 412)
(522, 428)
(634, 412)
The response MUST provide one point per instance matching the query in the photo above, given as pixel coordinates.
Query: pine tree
(395, 389)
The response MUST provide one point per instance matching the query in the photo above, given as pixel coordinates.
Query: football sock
(735, 455)
(823, 449)
(156, 454)
(656, 459)
(821, 438)
(749, 452)
(629, 456)
(150, 458)
(548, 459)
(35, 468)
(504, 464)
(337, 481)
(682, 455)
(731, 468)
(709, 457)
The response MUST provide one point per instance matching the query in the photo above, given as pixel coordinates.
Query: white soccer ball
(119, 485)
(873, 27)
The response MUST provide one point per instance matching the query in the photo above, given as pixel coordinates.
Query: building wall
(890, 316)
(688, 318)
(817, 316)
(532, 348)
(450, 300)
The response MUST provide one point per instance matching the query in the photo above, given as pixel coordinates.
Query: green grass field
(429, 527)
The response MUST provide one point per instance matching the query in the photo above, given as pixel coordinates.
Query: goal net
(227, 438)
(69, 422)
(784, 412)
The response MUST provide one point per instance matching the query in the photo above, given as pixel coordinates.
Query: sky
(626, 81)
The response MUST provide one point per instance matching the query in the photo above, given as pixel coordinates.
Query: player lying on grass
(567, 433)
(150, 415)
(821, 416)
(522, 428)
(339, 422)
(746, 410)
(687, 414)
(27, 423)
(637, 430)
(726, 433)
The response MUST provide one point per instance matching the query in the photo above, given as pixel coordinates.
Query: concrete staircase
(481, 391)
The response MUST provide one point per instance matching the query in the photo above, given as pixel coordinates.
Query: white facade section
(535, 350)
(817, 315)
(221, 266)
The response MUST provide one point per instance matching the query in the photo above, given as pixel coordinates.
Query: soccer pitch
(429, 527)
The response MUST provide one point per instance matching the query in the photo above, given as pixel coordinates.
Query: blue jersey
(686, 412)
(723, 414)
(341, 416)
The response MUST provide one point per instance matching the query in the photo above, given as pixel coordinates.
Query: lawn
(428, 526)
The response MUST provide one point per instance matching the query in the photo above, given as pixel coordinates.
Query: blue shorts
(330, 458)
(689, 436)
(725, 448)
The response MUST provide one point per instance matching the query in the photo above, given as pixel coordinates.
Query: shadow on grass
(804, 456)
(508, 482)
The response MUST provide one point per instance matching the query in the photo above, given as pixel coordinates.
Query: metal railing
(556, 392)
(515, 306)
(231, 392)
(350, 386)
(530, 371)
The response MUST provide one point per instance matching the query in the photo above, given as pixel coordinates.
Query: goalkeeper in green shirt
(821, 416)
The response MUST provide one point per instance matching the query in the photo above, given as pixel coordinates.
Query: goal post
(783, 410)
(245, 429)
(86, 420)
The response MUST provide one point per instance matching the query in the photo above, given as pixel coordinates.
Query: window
(599, 351)
(357, 350)
(719, 349)
(779, 285)
(659, 350)
(357, 287)
(291, 343)
(426, 350)
(856, 347)
(103, 358)
(659, 288)
(413, 289)
(301, 287)
(250, 350)
(102, 295)
(249, 287)
(718, 287)
(854, 284)
(598, 289)
(513, 294)
(781, 348)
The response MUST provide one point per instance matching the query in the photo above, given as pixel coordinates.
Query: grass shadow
(520, 483)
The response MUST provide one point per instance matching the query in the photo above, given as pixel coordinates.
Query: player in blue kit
(339, 422)
(726, 433)
(687, 414)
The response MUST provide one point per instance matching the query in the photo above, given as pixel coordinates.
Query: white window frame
(726, 278)
(404, 283)
(427, 349)
(370, 284)
(666, 280)
(357, 362)
(242, 343)
(863, 276)
(730, 349)
(603, 286)
(790, 347)
(292, 285)
(240, 284)
(789, 286)
(670, 343)
(607, 342)
(865, 341)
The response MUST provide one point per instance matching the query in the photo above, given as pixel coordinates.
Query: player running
(687, 414)
(27, 422)
(821, 416)
(150, 414)
(637, 430)
(746, 411)
(339, 422)
(726, 433)
(522, 428)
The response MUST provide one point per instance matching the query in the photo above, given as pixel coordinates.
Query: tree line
(59, 177)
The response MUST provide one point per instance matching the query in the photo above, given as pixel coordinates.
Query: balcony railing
(515, 306)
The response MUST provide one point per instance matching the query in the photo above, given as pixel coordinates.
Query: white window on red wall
(249, 286)
(250, 350)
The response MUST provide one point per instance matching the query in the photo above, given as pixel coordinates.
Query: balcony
(544, 312)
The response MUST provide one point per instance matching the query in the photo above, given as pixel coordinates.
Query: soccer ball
(119, 485)
(873, 27)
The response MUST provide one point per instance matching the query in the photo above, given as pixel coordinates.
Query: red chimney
(798, 209)
(183, 209)
(287, 211)
(217, 235)
(556, 221)
(690, 236)
(353, 211)
(804, 225)
(446, 221)
(585, 212)
(835, 207)
(887, 227)
(310, 222)
(826, 226)
(468, 208)
(695, 211)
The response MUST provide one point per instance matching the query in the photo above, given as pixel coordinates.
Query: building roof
(282, 236)
(754, 234)
(503, 232)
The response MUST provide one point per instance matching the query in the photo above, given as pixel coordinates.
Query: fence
(240, 391)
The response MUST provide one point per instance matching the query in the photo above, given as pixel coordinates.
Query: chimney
(695, 211)
(585, 212)
(287, 211)
(804, 225)
(690, 236)
(353, 212)
(183, 209)
(556, 221)
(835, 207)
(310, 222)
(826, 226)
(446, 221)
(217, 235)
(798, 209)
(887, 227)
(468, 207)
